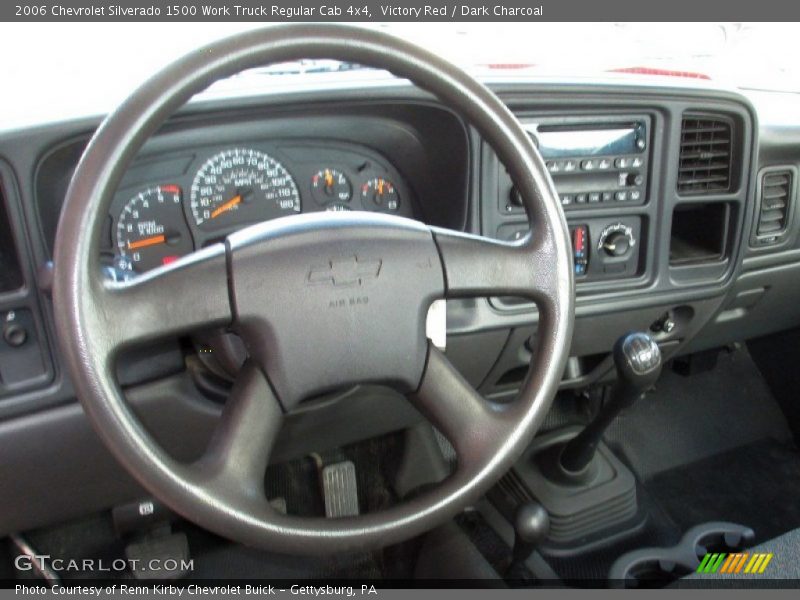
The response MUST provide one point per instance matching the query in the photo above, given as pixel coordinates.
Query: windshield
(62, 70)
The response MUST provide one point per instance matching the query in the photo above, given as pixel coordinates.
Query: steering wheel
(347, 292)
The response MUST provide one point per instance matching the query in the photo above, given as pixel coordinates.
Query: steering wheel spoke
(480, 266)
(471, 424)
(187, 295)
(238, 453)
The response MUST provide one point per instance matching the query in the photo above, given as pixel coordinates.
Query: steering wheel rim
(222, 492)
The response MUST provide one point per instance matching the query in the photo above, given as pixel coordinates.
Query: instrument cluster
(173, 211)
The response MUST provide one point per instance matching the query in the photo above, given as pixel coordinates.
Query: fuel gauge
(331, 185)
(380, 194)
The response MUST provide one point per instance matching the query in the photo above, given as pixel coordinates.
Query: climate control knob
(617, 244)
(616, 240)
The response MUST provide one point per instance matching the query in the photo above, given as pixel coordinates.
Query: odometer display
(241, 186)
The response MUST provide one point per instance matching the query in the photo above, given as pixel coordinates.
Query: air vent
(774, 209)
(705, 159)
(10, 273)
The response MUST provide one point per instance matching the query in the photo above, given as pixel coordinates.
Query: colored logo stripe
(737, 562)
(711, 563)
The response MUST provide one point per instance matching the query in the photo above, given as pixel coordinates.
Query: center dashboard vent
(705, 157)
(776, 195)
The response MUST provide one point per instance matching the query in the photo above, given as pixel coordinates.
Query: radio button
(570, 165)
(635, 195)
(637, 162)
(588, 165)
(607, 197)
(621, 196)
(566, 199)
(604, 164)
(594, 197)
(622, 162)
(580, 198)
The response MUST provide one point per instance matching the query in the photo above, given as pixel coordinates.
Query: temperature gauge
(380, 194)
(331, 185)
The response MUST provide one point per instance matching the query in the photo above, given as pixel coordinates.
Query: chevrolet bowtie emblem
(347, 271)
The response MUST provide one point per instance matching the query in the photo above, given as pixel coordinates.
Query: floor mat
(215, 558)
(689, 418)
(756, 485)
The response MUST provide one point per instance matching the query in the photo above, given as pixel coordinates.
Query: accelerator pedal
(340, 489)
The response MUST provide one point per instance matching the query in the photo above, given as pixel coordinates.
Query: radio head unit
(592, 162)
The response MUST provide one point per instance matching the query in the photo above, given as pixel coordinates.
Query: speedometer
(241, 186)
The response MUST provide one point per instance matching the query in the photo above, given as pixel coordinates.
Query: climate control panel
(602, 248)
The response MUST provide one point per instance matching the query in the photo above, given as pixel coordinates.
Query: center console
(598, 164)
(656, 196)
(655, 193)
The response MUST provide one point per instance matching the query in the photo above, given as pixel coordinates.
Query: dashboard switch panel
(21, 362)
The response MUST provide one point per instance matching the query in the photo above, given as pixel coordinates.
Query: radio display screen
(555, 143)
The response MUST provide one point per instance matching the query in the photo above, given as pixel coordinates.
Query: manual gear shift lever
(531, 527)
(637, 358)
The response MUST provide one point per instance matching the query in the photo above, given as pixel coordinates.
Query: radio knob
(635, 179)
(617, 243)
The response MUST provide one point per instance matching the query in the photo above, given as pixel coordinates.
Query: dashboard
(681, 207)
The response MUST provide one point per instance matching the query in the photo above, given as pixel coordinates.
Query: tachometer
(151, 230)
(241, 186)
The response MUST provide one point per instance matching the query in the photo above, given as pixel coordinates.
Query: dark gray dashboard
(711, 283)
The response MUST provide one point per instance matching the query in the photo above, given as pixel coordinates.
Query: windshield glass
(62, 70)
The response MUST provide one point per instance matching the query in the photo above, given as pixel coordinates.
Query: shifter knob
(637, 358)
(531, 528)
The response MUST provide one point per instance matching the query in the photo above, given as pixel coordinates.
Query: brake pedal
(340, 489)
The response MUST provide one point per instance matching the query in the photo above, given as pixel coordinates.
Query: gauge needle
(328, 178)
(227, 206)
(380, 187)
(144, 243)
